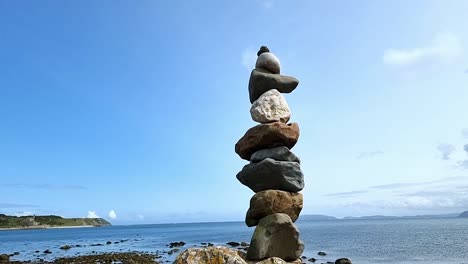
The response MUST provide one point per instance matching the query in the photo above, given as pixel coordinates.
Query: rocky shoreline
(176, 252)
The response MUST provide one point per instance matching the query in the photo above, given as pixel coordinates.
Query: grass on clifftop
(7, 221)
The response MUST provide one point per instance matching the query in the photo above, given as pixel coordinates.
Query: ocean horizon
(385, 241)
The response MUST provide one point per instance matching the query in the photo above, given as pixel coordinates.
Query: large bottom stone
(272, 201)
(222, 255)
(270, 174)
(275, 236)
(212, 255)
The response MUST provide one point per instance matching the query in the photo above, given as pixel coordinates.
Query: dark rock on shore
(233, 244)
(278, 154)
(321, 253)
(172, 251)
(65, 247)
(176, 244)
(276, 236)
(130, 258)
(47, 251)
(262, 81)
(4, 258)
(343, 261)
(272, 175)
(312, 260)
(270, 202)
(266, 136)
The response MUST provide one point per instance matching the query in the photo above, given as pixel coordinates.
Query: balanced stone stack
(274, 172)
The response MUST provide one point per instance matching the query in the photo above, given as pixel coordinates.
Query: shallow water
(402, 241)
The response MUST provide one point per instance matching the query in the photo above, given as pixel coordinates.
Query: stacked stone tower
(274, 172)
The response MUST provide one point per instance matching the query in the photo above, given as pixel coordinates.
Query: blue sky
(135, 107)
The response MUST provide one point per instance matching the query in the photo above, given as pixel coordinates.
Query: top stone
(263, 49)
(268, 61)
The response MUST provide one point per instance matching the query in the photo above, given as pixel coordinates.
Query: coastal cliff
(47, 221)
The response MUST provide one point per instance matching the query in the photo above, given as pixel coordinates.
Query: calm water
(364, 241)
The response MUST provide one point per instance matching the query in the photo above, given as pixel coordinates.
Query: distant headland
(380, 217)
(8, 222)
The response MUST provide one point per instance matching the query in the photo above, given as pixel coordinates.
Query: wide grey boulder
(270, 107)
(270, 174)
(275, 236)
(268, 61)
(279, 154)
(262, 81)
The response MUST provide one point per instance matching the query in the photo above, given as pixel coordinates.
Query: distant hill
(463, 215)
(47, 221)
(377, 217)
(317, 217)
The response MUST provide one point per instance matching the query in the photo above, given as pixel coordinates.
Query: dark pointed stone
(262, 81)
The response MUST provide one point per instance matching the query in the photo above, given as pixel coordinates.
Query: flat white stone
(269, 62)
(270, 107)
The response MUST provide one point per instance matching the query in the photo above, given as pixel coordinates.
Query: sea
(396, 241)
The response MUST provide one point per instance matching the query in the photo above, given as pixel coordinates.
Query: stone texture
(270, 202)
(212, 255)
(343, 261)
(270, 174)
(263, 49)
(264, 136)
(275, 260)
(270, 107)
(268, 61)
(278, 153)
(275, 236)
(262, 81)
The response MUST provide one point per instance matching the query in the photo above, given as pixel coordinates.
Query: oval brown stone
(264, 136)
(273, 201)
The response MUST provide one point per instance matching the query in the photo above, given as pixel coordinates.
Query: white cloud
(24, 213)
(446, 150)
(112, 214)
(444, 48)
(249, 57)
(465, 133)
(140, 217)
(369, 154)
(92, 214)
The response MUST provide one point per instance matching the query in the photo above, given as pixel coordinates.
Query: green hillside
(45, 221)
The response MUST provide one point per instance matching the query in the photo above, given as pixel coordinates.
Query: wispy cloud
(112, 214)
(266, 3)
(396, 185)
(446, 150)
(444, 48)
(345, 194)
(464, 133)
(249, 57)
(16, 205)
(463, 164)
(42, 186)
(369, 154)
(140, 217)
(92, 214)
